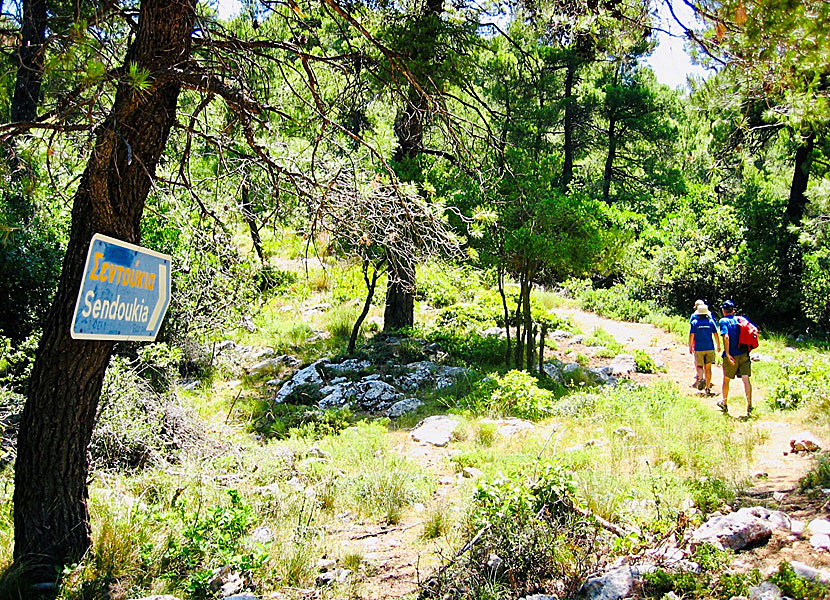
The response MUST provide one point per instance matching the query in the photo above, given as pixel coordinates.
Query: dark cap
(728, 305)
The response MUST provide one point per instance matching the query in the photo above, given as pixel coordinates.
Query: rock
(436, 430)
(162, 597)
(623, 364)
(326, 564)
(188, 385)
(262, 535)
(495, 331)
(624, 432)
(733, 531)
(248, 323)
(554, 371)
(372, 395)
(494, 562)
(765, 591)
(350, 365)
(811, 573)
(334, 395)
(820, 540)
(426, 373)
(796, 526)
(226, 345)
(539, 597)
(244, 596)
(577, 339)
(614, 584)
(403, 407)
(758, 357)
(804, 442)
(226, 581)
(308, 376)
(561, 334)
(271, 364)
(510, 426)
(818, 526)
(472, 473)
(775, 518)
(317, 336)
(332, 577)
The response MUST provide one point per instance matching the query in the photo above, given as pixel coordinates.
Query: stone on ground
(805, 442)
(623, 364)
(403, 407)
(734, 531)
(436, 430)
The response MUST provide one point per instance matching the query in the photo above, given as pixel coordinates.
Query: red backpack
(748, 336)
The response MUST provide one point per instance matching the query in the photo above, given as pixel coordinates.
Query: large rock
(308, 376)
(553, 370)
(623, 364)
(811, 573)
(765, 591)
(819, 526)
(574, 374)
(372, 395)
(269, 365)
(350, 365)
(436, 430)
(161, 597)
(735, 531)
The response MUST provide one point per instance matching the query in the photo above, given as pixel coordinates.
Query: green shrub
(442, 284)
(518, 394)
(819, 476)
(340, 321)
(645, 364)
(470, 349)
(804, 380)
(272, 279)
(710, 493)
(797, 587)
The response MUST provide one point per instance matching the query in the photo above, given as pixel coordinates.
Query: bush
(819, 476)
(804, 380)
(645, 364)
(441, 284)
(470, 349)
(797, 587)
(518, 394)
(529, 525)
(306, 422)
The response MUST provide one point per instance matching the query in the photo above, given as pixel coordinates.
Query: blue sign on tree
(124, 293)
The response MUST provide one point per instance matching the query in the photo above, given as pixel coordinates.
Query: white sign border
(112, 338)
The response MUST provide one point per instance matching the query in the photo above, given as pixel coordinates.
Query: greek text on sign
(124, 293)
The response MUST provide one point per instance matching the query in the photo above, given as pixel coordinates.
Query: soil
(394, 558)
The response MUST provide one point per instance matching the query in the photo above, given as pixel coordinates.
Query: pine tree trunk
(609, 159)
(51, 519)
(399, 311)
(568, 167)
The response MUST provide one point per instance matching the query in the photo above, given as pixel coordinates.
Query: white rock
(758, 357)
(510, 426)
(765, 591)
(820, 540)
(436, 430)
(262, 535)
(614, 584)
(624, 432)
(623, 364)
(472, 473)
(819, 526)
(811, 573)
(161, 597)
(561, 334)
(326, 564)
(309, 375)
(775, 518)
(734, 531)
(796, 526)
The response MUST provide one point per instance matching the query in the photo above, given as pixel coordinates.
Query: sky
(669, 61)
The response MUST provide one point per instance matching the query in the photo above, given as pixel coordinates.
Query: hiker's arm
(717, 340)
(726, 348)
(691, 343)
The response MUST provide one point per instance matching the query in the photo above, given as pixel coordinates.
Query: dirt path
(395, 557)
(775, 471)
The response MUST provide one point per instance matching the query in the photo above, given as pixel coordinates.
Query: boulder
(436, 430)
(334, 395)
(804, 442)
(425, 373)
(262, 535)
(758, 357)
(350, 365)
(774, 518)
(495, 331)
(403, 407)
(161, 597)
(244, 596)
(272, 364)
(561, 334)
(554, 371)
(372, 395)
(614, 584)
(734, 531)
(226, 581)
(472, 473)
(820, 540)
(623, 364)
(309, 375)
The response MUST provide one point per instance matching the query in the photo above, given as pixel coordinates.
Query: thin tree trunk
(528, 321)
(568, 167)
(370, 293)
(248, 215)
(609, 160)
(51, 519)
(542, 335)
(519, 353)
(801, 177)
(399, 311)
(500, 280)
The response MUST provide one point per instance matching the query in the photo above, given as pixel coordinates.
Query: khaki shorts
(741, 368)
(704, 357)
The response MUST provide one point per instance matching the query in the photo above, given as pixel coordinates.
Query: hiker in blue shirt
(703, 335)
(700, 380)
(735, 359)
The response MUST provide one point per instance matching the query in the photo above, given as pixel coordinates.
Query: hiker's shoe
(694, 383)
(709, 392)
(723, 407)
(701, 383)
(749, 411)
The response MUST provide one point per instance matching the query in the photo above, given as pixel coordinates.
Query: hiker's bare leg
(747, 390)
(725, 389)
(708, 370)
(699, 371)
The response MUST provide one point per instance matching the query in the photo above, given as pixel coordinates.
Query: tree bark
(399, 310)
(609, 160)
(371, 282)
(801, 177)
(568, 167)
(506, 312)
(51, 519)
(250, 219)
(26, 98)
